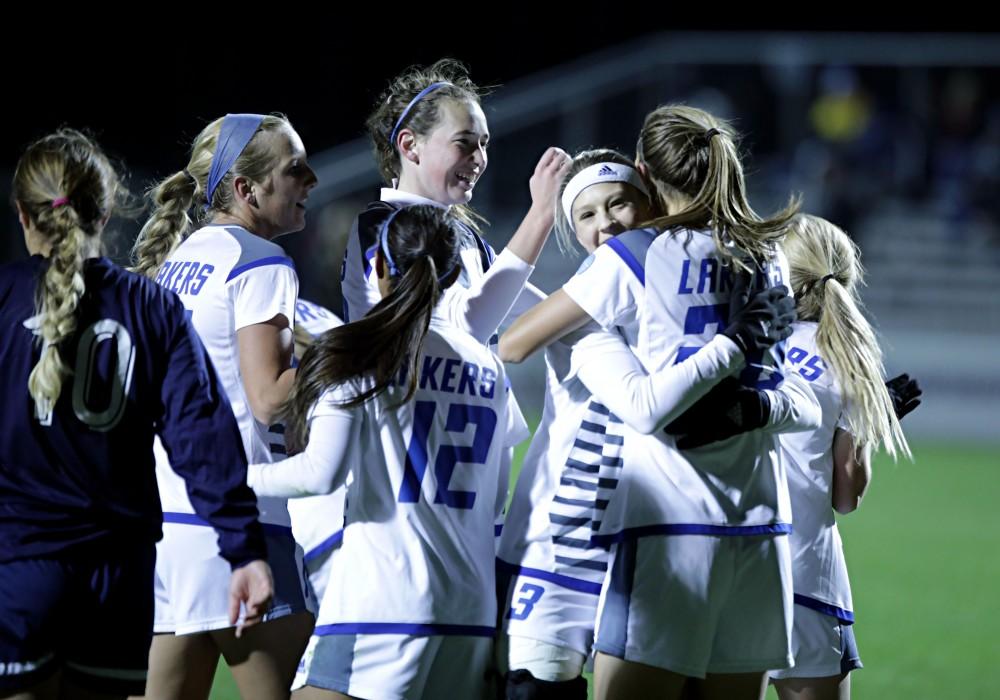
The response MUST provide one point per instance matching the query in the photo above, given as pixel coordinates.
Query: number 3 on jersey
(460, 415)
(522, 607)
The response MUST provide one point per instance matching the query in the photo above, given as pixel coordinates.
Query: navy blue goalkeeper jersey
(84, 474)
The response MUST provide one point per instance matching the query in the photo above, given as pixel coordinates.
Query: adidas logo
(605, 171)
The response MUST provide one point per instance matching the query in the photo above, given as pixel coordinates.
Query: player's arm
(489, 300)
(603, 290)
(646, 402)
(203, 443)
(542, 325)
(794, 407)
(321, 467)
(852, 472)
(529, 238)
(852, 465)
(529, 297)
(265, 356)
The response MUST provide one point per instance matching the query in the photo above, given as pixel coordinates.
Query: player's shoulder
(247, 251)
(626, 251)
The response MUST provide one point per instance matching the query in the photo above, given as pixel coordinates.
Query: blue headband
(234, 135)
(383, 242)
(420, 95)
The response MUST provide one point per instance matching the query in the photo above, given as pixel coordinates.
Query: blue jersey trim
(273, 260)
(574, 584)
(192, 519)
(626, 255)
(369, 258)
(497, 529)
(414, 630)
(324, 546)
(845, 616)
(692, 529)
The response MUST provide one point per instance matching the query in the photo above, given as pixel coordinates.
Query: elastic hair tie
(709, 134)
(60, 202)
(817, 284)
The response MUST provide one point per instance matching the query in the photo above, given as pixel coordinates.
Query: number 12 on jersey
(460, 415)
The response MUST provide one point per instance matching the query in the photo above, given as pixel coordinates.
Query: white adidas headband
(595, 175)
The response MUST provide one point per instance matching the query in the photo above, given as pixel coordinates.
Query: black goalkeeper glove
(765, 320)
(728, 409)
(905, 394)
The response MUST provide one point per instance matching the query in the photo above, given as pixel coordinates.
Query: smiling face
(606, 209)
(282, 195)
(445, 164)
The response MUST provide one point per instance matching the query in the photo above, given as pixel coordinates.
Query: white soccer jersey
(594, 382)
(314, 319)
(489, 289)
(417, 555)
(229, 279)
(671, 293)
(818, 564)
(318, 521)
(546, 535)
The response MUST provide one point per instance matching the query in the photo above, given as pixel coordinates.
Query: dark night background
(901, 150)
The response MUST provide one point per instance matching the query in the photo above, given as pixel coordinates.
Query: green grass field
(924, 555)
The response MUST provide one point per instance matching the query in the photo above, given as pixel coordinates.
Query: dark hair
(423, 244)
